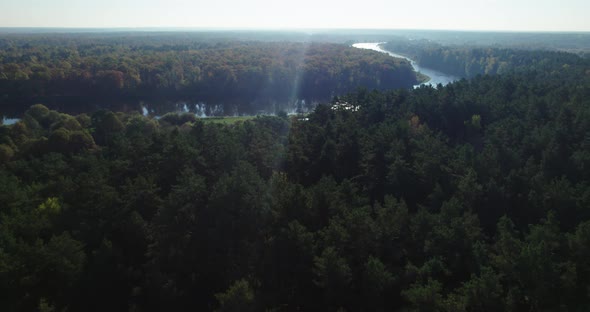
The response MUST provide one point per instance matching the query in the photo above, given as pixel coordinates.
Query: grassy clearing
(227, 119)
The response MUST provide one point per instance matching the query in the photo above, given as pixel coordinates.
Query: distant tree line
(137, 65)
(469, 61)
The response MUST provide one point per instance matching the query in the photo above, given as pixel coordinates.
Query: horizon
(272, 29)
(452, 15)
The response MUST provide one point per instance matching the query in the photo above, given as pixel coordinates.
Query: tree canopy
(473, 196)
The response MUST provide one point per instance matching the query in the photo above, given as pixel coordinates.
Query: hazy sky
(539, 15)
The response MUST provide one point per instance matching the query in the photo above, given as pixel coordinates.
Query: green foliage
(469, 197)
(6, 153)
(220, 69)
(333, 275)
(178, 119)
(424, 297)
(226, 120)
(480, 293)
(238, 297)
(469, 61)
(44, 306)
(50, 206)
(376, 280)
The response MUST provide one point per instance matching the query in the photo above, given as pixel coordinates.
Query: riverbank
(427, 76)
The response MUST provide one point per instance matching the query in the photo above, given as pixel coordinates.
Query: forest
(233, 72)
(473, 196)
(469, 61)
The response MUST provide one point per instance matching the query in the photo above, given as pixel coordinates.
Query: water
(9, 121)
(11, 112)
(204, 110)
(436, 77)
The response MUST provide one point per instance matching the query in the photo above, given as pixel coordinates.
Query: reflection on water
(11, 110)
(198, 109)
(9, 121)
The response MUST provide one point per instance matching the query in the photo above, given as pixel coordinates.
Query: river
(436, 77)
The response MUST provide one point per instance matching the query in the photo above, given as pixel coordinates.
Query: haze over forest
(230, 155)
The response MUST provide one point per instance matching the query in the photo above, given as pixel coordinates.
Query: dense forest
(469, 61)
(188, 67)
(574, 42)
(474, 196)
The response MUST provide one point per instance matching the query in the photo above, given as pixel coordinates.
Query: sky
(500, 15)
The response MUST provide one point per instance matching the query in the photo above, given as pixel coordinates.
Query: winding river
(436, 77)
